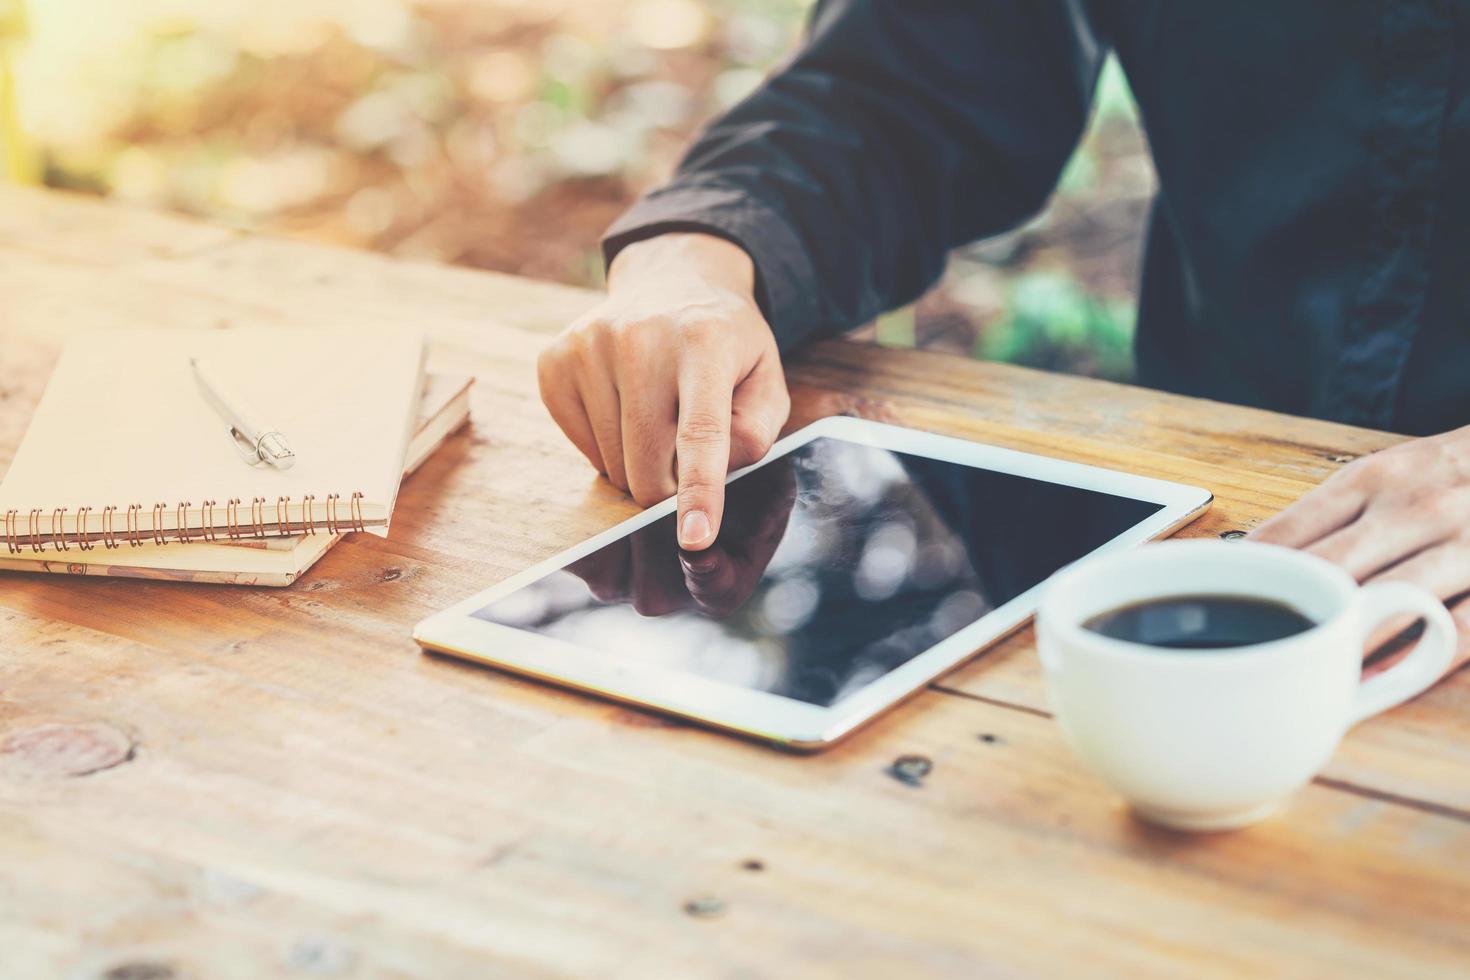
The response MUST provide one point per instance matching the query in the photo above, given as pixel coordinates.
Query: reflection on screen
(834, 565)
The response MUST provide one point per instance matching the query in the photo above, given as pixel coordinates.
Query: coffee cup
(1215, 738)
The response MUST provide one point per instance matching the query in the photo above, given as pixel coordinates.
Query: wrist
(711, 259)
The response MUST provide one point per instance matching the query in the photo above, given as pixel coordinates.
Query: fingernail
(694, 528)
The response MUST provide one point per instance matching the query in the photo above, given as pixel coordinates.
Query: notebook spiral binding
(34, 530)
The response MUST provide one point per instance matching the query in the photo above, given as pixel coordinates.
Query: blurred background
(506, 135)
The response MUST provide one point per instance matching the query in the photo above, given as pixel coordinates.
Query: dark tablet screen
(835, 564)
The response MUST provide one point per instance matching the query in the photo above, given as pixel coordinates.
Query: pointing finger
(702, 450)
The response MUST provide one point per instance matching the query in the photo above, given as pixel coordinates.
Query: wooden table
(202, 781)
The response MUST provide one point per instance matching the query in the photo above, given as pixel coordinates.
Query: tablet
(857, 562)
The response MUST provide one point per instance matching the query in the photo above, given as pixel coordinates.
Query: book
(269, 561)
(125, 447)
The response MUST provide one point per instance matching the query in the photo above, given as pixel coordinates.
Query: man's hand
(1400, 515)
(674, 379)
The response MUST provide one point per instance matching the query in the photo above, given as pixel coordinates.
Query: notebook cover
(445, 409)
(123, 441)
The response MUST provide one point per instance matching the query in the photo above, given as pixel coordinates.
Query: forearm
(898, 131)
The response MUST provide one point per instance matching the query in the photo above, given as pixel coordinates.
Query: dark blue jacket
(1309, 249)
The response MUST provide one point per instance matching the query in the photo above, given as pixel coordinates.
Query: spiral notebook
(124, 449)
(272, 561)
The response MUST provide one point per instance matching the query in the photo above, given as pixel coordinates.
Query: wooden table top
(205, 781)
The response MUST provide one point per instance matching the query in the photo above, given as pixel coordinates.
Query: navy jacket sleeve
(900, 129)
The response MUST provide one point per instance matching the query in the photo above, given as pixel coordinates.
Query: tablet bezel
(761, 714)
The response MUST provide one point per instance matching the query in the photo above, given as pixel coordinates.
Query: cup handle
(1424, 665)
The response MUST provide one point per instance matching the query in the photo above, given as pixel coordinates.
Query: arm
(900, 129)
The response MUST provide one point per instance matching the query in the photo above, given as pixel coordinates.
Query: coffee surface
(1201, 622)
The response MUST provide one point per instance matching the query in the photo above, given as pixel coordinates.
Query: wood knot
(704, 907)
(61, 750)
(911, 770)
(390, 575)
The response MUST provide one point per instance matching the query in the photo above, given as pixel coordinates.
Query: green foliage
(897, 328)
(1113, 98)
(1052, 322)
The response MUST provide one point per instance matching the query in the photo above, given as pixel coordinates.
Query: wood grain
(216, 782)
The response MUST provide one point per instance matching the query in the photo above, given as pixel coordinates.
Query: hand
(673, 380)
(1400, 515)
(648, 570)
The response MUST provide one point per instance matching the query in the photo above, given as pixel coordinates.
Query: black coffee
(1201, 622)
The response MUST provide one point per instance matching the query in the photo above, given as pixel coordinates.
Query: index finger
(702, 451)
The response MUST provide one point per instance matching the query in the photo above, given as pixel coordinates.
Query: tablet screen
(835, 564)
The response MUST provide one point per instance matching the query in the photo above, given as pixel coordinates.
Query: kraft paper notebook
(124, 447)
(273, 561)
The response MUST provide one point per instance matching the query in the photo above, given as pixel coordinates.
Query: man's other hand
(674, 379)
(1400, 515)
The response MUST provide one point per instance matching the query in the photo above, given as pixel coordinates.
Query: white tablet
(857, 562)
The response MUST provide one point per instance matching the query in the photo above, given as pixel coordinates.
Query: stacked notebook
(127, 470)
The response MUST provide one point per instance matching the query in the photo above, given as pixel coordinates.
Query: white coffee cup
(1215, 739)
